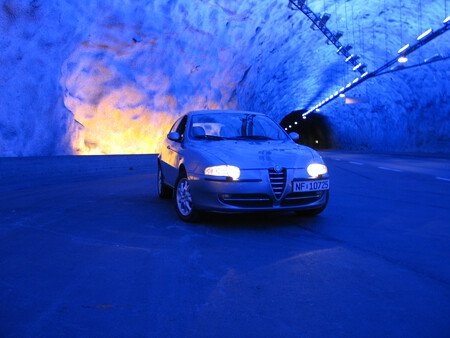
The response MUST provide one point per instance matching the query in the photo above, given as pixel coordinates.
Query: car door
(174, 152)
(166, 153)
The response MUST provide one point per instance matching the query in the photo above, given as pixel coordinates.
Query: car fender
(197, 160)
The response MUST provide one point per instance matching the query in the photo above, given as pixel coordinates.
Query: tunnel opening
(314, 131)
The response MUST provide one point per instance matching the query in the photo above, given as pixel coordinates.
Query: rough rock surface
(111, 76)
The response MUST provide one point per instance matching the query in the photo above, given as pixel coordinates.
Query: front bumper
(254, 192)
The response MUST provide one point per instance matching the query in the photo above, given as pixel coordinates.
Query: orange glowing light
(111, 130)
(113, 120)
(123, 114)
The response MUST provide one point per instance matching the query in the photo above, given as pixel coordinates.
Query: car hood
(260, 154)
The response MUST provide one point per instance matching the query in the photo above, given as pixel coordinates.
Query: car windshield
(235, 126)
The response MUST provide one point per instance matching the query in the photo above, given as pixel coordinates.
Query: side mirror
(174, 136)
(294, 136)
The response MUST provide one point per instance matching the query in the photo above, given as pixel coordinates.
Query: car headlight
(316, 169)
(224, 170)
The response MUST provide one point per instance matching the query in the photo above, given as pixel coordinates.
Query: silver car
(238, 161)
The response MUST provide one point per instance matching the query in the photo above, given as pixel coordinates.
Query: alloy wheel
(184, 197)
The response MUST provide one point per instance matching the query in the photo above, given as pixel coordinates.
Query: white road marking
(443, 179)
(357, 163)
(390, 169)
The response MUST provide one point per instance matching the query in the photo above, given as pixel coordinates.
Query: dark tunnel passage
(314, 131)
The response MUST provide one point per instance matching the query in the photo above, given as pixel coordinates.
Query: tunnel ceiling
(111, 76)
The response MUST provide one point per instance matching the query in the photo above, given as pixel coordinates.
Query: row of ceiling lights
(403, 58)
(341, 92)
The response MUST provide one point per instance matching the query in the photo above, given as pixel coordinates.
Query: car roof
(198, 112)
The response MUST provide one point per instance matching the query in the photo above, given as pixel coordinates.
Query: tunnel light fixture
(304, 117)
(402, 59)
(336, 93)
(342, 89)
(397, 67)
(344, 49)
(349, 58)
(342, 95)
(348, 85)
(447, 19)
(355, 80)
(433, 58)
(359, 65)
(285, 129)
(295, 122)
(424, 34)
(401, 50)
(365, 74)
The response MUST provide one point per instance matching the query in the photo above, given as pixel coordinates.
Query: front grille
(301, 198)
(247, 200)
(278, 182)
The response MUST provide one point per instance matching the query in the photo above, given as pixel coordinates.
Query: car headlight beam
(316, 169)
(224, 170)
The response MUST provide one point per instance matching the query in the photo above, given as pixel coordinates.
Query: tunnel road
(98, 254)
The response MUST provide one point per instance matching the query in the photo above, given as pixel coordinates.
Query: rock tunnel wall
(109, 77)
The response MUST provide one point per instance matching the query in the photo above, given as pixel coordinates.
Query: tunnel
(345, 234)
(314, 130)
(108, 78)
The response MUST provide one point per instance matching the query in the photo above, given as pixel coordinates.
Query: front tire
(164, 191)
(183, 200)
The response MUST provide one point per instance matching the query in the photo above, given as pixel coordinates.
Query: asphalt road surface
(88, 250)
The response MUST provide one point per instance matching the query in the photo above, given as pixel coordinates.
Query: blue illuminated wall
(110, 76)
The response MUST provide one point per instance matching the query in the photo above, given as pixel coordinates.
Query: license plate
(302, 186)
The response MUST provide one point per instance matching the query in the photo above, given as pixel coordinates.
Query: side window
(175, 125)
(182, 127)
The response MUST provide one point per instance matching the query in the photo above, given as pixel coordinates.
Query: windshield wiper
(209, 137)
